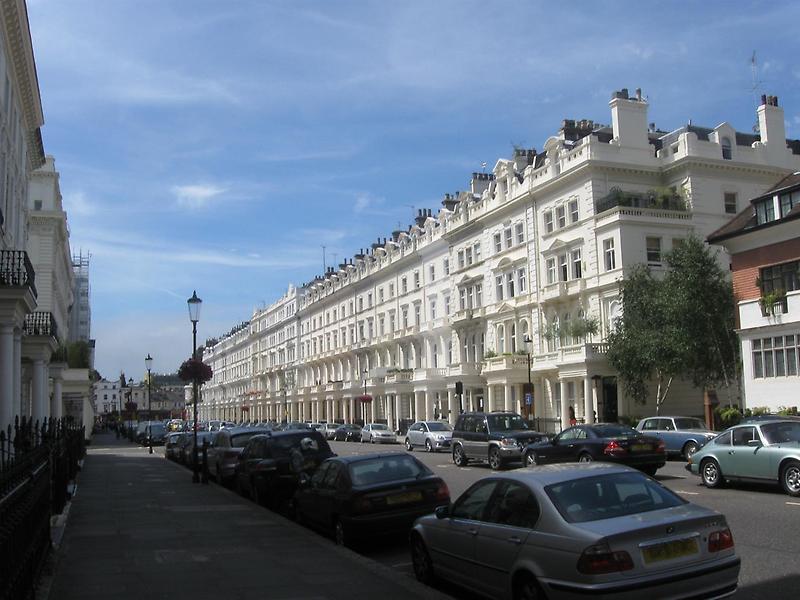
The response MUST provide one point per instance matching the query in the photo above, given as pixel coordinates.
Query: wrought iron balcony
(16, 270)
(40, 323)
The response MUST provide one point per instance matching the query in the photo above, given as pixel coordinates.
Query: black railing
(16, 269)
(40, 323)
(37, 463)
(651, 199)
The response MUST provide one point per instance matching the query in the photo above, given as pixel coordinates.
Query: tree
(681, 324)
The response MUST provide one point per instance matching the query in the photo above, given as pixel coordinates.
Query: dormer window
(765, 211)
(727, 152)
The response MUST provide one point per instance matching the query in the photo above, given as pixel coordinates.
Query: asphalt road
(765, 522)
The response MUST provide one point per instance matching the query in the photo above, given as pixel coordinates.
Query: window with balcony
(405, 317)
(563, 267)
(521, 279)
(417, 314)
(548, 221)
(498, 242)
(653, 245)
(432, 308)
(551, 271)
(392, 321)
(609, 256)
(498, 287)
(501, 339)
(729, 199)
(577, 264)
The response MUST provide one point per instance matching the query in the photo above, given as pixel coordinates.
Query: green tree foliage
(78, 355)
(681, 324)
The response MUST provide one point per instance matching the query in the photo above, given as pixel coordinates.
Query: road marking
(687, 493)
(793, 503)
(401, 565)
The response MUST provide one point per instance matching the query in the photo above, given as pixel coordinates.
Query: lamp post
(130, 409)
(194, 316)
(528, 342)
(148, 363)
(364, 402)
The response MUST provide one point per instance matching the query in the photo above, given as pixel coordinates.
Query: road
(765, 522)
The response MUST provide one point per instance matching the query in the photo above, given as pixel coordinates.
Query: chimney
(449, 202)
(420, 218)
(771, 125)
(629, 119)
(479, 183)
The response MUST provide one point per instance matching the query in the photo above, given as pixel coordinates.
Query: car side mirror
(754, 443)
(442, 512)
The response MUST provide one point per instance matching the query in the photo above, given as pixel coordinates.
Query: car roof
(552, 474)
(354, 458)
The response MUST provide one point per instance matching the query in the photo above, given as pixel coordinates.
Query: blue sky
(218, 145)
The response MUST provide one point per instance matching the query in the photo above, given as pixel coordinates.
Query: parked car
(330, 430)
(347, 433)
(188, 446)
(172, 444)
(223, 455)
(683, 436)
(271, 464)
(577, 531)
(377, 433)
(141, 429)
(317, 426)
(769, 417)
(431, 435)
(297, 426)
(767, 451)
(154, 433)
(496, 437)
(608, 442)
(363, 497)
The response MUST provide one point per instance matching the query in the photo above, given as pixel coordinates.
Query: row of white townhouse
(522, 269)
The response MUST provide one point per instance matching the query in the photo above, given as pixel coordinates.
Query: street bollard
(204, 476)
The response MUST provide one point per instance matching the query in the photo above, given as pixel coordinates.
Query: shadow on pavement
(783, 588)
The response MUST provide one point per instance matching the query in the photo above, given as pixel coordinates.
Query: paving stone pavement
(139, 528)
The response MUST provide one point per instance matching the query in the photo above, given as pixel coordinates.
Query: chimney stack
(629, 119)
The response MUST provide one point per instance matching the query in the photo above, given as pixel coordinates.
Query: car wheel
(650, 471)
(710, 473)
(409, 447)
(790, 478)
(459, 458)
(428, 446)
(531, 459)
(585, 458)
(527, 588)
(689, 448)
(495, 462)
(421, 560)
(371, 440)
(340, 534)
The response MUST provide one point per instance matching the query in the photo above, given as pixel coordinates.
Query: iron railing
(651, 199)
(16, 269)
(37, 463)
(40, 323)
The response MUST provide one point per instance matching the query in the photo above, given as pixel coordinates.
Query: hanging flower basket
(364, 398)
(195, 371)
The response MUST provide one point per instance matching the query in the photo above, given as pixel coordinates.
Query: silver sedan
(377, 433)
(574, 531)
(431, 435)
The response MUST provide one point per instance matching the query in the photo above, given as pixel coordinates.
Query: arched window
(475, 356)
(449, 353)
(727, 153)
(501, 339)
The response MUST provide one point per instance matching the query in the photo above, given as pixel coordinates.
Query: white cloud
(76, 203)
(196, 195)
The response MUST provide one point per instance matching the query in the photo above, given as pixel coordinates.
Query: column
(564, 404)
(390, 412)
(398, 405)
(428, 400)
(490, 404)
(588, 400)
(38, 387)
(7, 377)
(452, 413)
(57, 406)
(16, 399)
(353, 415)
(508, 399)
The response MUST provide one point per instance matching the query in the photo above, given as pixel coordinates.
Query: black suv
(496, 437)
(271, 464)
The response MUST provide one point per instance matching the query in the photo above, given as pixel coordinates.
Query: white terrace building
(533, 251)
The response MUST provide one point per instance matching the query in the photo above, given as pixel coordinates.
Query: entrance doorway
(610, 412)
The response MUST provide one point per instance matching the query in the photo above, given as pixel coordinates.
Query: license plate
(404, 498)
(640, 447)
(670, 550)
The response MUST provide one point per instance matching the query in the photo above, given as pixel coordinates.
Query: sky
(217, 146)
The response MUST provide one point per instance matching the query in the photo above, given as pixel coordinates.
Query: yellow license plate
(640, 448)
(404, 498)
(670, 550)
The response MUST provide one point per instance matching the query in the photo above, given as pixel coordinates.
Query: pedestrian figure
(572, 419)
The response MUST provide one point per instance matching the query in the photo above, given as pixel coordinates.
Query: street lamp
(528, 343)
(194, 316)
(148, 363)
(130, 408)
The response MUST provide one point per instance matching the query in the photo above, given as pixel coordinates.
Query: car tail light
(661, 446)
(599, 559)
(443, 492)
(720, 540)
(613, 448)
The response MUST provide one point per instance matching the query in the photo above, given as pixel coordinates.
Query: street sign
(528, 399)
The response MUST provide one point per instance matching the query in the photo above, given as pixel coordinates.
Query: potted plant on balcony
(489, 354)
(769, 300)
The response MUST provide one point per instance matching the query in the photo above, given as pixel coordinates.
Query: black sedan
(357, 498)
(347, 433)
(609, 442)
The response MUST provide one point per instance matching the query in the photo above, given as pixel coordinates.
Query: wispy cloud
(76, 203)
(196, 195)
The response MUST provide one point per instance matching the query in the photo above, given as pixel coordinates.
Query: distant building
(764, 243)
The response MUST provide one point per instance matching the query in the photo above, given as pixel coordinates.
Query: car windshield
(386, 468)
(439, 427)
(157, 428)
(282, 444)
(240, 440)
(614, 431)
(777, 433)
(506, 423)
(609, 496)
(687, 423)
(380, 428)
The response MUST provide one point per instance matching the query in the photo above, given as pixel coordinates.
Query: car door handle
(731, 452)
(514, 540)
(472, 531)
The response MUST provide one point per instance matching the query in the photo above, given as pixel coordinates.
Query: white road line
(687, 493)
(793, 503)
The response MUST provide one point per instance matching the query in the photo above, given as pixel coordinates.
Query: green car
(767, 451)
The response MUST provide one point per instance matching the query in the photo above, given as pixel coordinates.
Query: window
(765, 211)
(460, 259)
(653, 245)
(780, 278)
(472, 504)
(468, 256)
(478, 294)
(521, 280)
(477, 250)
(447, 266)
(730, 203)
(380, 294)
(561, 216)
(498, 242)
(37, 205)
(391, 290)
(788, 201)
(608, 254)
(417, 314)
(447, 305)
(563, 268)
(510, 284)
(405, 317)
(548, 221)
(775, 356)
(573, 211)
(499, 287)
(508, 237)
(462, 298)
(551, 271)
(432, 272)
(403, 285)
(577, 270)
(416, 279)
(501, 338)
(433, 308)
(369, 301)
(726, 148)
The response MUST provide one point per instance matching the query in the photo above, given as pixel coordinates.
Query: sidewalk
(139, 528)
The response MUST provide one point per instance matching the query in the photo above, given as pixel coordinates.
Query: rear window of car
(506, 423)
(777, 433)
(380, 428)
(240, 440)
(689, 424)
(383, 469)
(609, 496)
(615, 431)
(439, 427)
(280, 445)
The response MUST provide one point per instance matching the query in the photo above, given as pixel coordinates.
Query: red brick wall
(746, 265)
